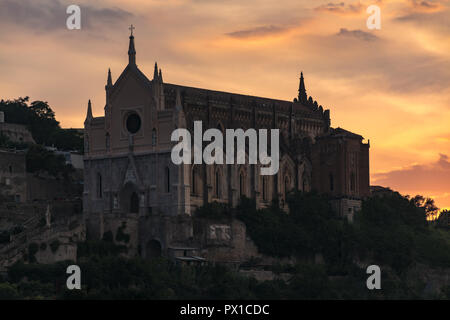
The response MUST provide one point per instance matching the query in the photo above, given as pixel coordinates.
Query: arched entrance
(134, 203)
(153, 249)
(129, 198)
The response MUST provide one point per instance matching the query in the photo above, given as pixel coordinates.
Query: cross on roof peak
(131, 28)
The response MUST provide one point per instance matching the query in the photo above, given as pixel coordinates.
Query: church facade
(129, 175)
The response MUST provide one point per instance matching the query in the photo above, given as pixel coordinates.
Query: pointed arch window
(352, 181)
(241, 184)
(86, 144)
(134, 203)
(99, 186)
(107, 141)
(197, 186)
(286, 186)
(194, 183)
(167, 180)
(154, 137)
(264, 188)
(217, 183)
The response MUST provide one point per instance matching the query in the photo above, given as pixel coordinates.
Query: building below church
(131, 183)
(13, 176)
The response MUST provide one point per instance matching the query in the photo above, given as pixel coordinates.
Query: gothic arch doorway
(129, 198)
(153, 249)
(134, 203)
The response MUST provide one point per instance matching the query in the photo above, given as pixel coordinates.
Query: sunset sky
(391, 85)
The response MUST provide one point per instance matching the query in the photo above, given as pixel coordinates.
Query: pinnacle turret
(109, 81)
(155, 72)
(302, 97)
(89, 112)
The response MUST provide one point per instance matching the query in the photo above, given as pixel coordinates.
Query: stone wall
(16, 132)
(49, 188)
(346, 208)
(227, 242)
(13, 182)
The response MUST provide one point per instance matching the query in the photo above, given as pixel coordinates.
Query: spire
(89, 112)
(109, 82)
(155, 73)
(160, 76)
(131, 49)
(301, 90)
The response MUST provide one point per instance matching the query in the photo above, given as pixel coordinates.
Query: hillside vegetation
(390, 231)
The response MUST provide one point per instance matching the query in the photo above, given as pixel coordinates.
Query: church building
(130, 178)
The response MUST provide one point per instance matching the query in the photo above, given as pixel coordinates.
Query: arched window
(352, 181)
(331, 181)
(154, 137)
(217, 183)
(197, 187)
(286, 186)
(134, 203)
(107, 141)
(241, 184)
(86, 143)
(306, 181)
(99, 186)
(194, 182)
(264, 188)
(167, 180)
(115, 202)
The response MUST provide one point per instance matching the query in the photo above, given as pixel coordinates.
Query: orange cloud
(358, 34)
(342, 8)
(431, 179)
(426, 6)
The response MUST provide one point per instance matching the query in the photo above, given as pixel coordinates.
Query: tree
(427, 204)
(40, 119)
(43, 111)
(39, 159)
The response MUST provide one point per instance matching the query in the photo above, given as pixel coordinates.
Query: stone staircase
(15, 249)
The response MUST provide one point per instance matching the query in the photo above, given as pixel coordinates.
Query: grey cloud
(256, 32)
(425, 4)
(359, 34)
(50, 15)
(341, 8)
(385, 63)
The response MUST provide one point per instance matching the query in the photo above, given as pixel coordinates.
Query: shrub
(108, 236)
(8, 292)
(4, 236)
(54, 245)
(99, 248)
(121, 236)
(33, 248)
(213, 210)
